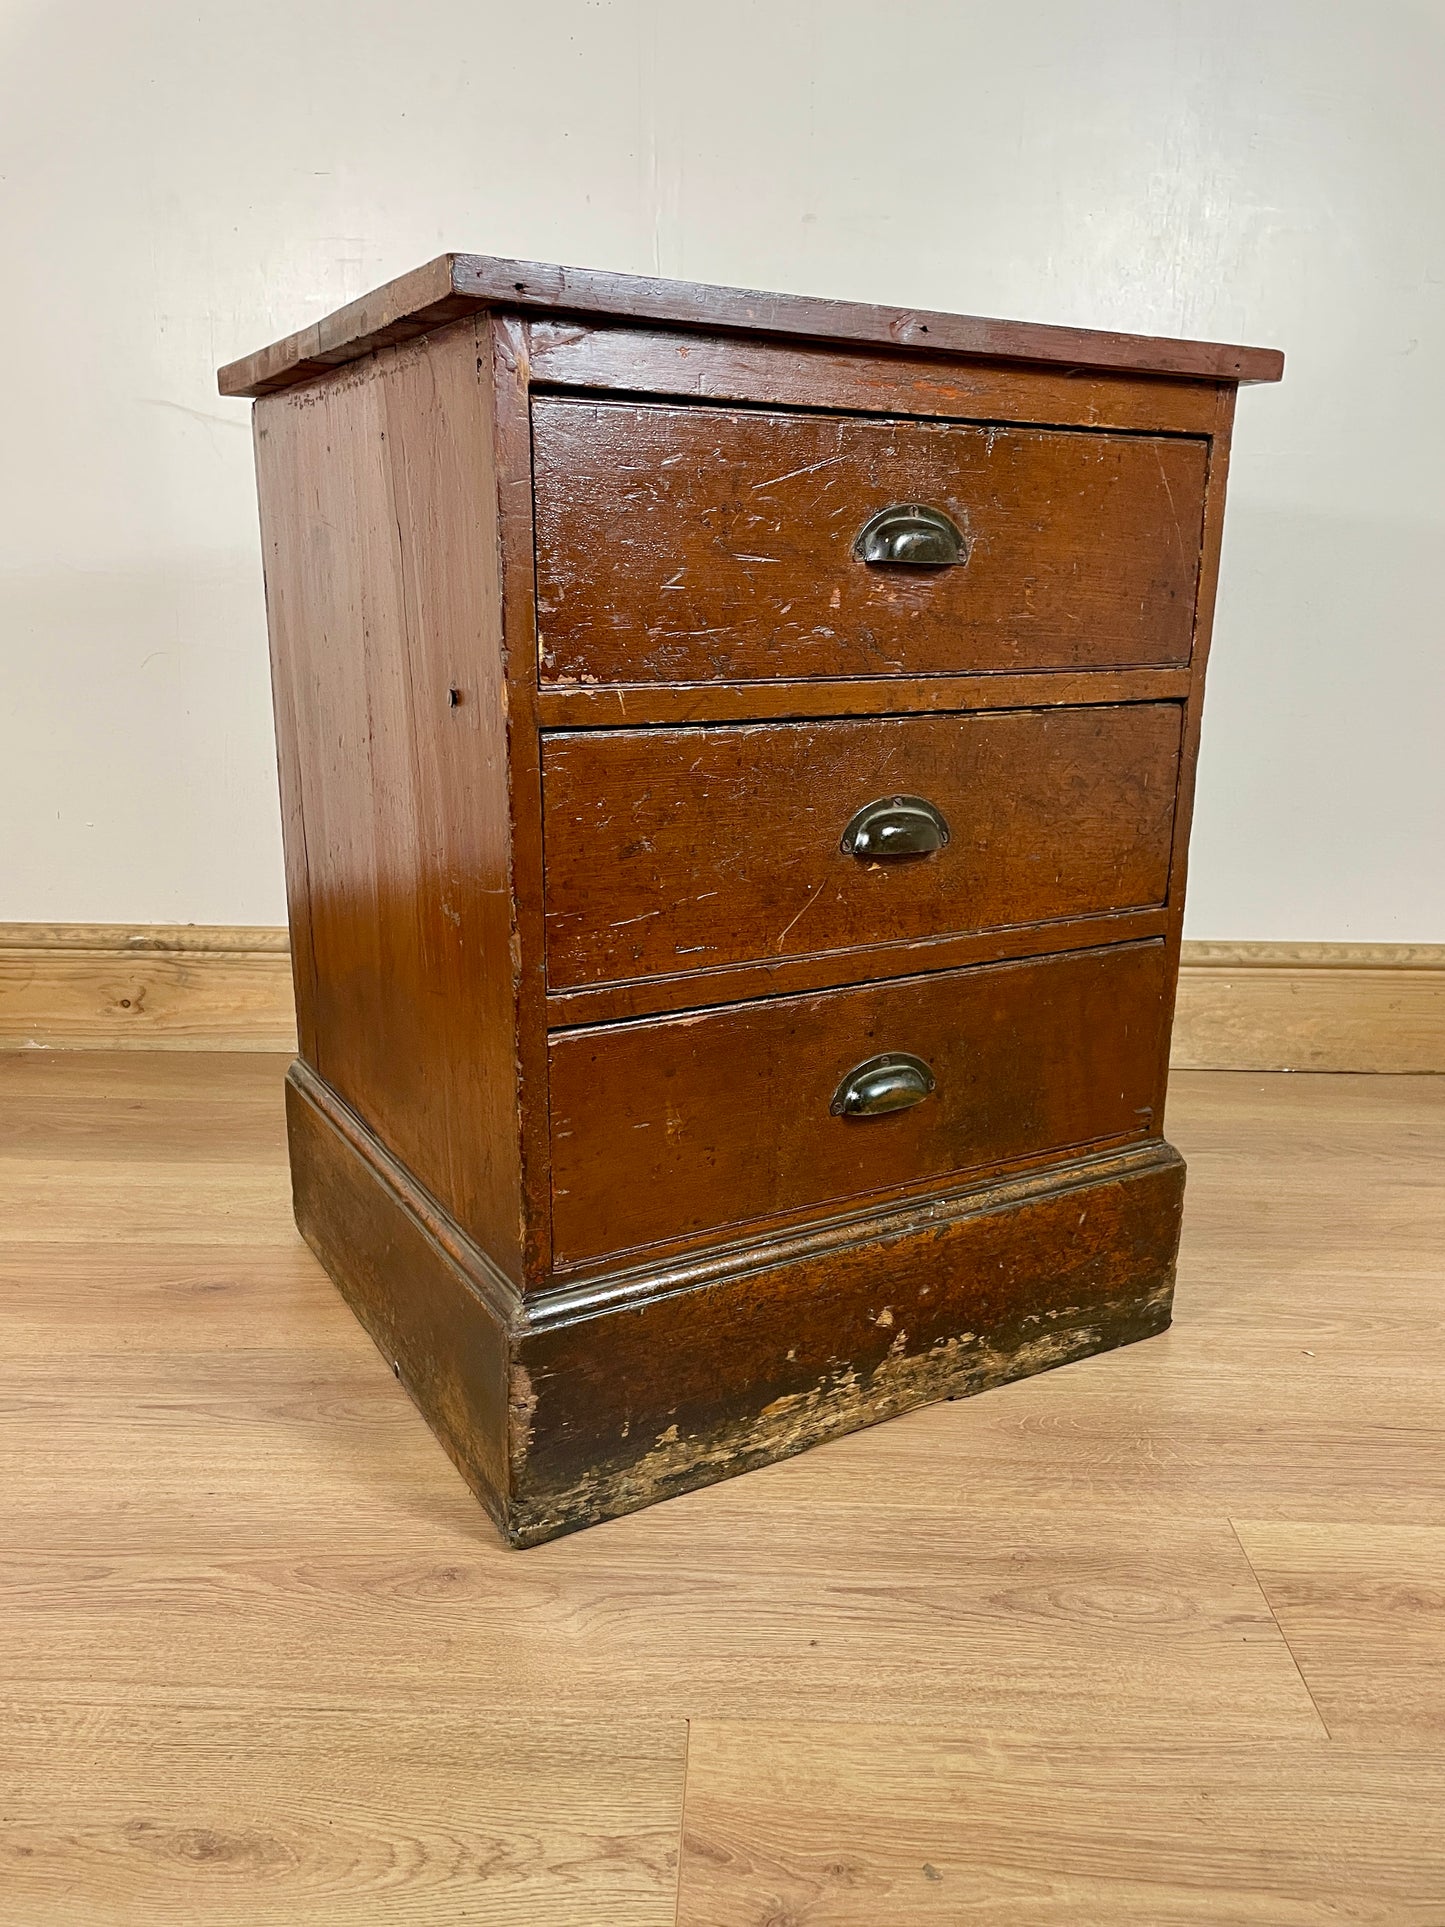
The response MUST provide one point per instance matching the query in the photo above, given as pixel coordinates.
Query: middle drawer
(675, 850)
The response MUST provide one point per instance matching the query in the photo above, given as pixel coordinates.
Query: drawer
(688, 849)
(668, 1127)
(693, 544)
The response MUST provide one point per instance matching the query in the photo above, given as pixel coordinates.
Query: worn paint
(843, 1400)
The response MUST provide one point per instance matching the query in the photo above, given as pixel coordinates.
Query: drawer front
(664, 1128)
(679, 544)
(689, 849)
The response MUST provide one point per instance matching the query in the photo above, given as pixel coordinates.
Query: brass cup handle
(895, 826)
(912, 534)
(894, 1082)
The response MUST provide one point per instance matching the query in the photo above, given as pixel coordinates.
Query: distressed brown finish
(651, 833)
(637, 361)
(381, 603)
(575, 666)
(937, 1302)
(669, 1378)
(869, 963)
(725, 1115)
(446, 1336)
(458, 284)
(601, 706)
(716, 544)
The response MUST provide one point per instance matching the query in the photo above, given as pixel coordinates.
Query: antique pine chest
(736, 758)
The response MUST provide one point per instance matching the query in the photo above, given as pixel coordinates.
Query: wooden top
(458, 284)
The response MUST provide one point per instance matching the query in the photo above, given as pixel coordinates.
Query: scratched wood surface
(455, 285)
(385, 617)
(708, 544)
(726, 1114)
(651, 834)
(667, 361)
(681, 546)
(1156, 1637)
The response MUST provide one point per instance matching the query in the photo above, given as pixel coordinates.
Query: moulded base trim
(576, 1405)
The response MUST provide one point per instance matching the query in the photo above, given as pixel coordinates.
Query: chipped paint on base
(841, 1402)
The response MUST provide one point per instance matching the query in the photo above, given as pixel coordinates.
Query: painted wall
(182, 183)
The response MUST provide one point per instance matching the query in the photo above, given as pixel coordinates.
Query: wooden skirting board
(1311, 1007)
(1242, 1006)
(83, 986)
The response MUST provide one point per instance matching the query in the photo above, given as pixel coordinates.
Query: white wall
(182, 183)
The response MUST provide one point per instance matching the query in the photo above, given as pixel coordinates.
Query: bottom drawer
(678, 1125)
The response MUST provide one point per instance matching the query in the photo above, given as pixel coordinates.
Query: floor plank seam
(682, 1820)
(1269, 1607)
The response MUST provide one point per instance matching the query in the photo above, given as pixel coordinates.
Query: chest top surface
(454, 285)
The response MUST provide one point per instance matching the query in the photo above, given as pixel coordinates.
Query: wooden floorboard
(861, 1825)
(1363, 1608)
(1156, 1637)
(132, 1814)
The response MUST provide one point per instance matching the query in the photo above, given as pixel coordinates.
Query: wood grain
(1138, 1635)
(232, 1815)
(366, 1218)
(711, 544)
(443, 527)
(387, 665)
(636, 1387)
(1215, 485)
(1309, 1333)
(725, 1114)
(847, 1827)
(1311, 1007)
(457, 284)
(265, 1661)
(156, 987)
(614, 705)
(650, 833)
(501, 361)
(714, 368)
(829, 969)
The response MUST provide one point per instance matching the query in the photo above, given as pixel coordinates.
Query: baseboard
(1311, 1007)
(1242, 1006)
(76, 986)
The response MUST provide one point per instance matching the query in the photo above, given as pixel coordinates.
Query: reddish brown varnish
(699, 544)
(1054, 814)
(577, 684)
(725, 1114)
(457, 285)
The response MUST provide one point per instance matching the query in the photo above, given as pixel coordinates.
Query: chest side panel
(378, 526)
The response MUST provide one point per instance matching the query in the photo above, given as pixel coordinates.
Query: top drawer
(698, 544)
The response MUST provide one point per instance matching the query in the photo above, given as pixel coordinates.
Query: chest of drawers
(736, 758)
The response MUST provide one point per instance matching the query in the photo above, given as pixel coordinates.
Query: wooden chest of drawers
(736, 758)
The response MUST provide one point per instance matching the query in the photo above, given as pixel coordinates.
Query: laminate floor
(1157, 1637)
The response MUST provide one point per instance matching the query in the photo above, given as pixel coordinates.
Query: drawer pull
(895, 826)
(923, 538)
(894, 1082)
